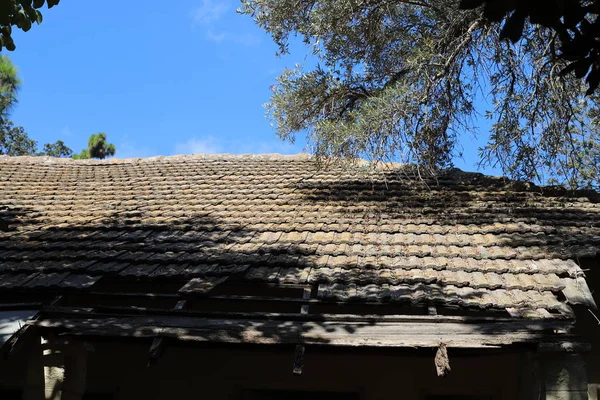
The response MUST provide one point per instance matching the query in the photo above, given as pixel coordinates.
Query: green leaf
(38, 3)
(52, 3)
(25, 25)
(39, 17)
(7, 42)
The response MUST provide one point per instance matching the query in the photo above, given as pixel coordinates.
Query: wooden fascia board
(333, 333)
(556, 322)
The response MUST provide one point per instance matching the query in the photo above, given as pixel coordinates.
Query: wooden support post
(305, 296)
(34, 379)
(300, 349)
(54, 369)
(57, 370)
(299, 359)
(75, 371)
(158, 344)
(156, 350)
(563, 372)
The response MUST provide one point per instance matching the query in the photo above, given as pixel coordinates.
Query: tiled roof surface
(355, 233)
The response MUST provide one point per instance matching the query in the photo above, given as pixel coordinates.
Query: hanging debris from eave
(442, 362)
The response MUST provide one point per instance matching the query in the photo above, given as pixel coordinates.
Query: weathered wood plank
(203, 285)
(539, 313)
(334, 333)
(175, 312)
(21, 306)
(281, 300)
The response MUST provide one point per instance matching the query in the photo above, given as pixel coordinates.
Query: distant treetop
(98, 147)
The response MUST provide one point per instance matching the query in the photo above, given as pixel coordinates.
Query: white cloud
(213, 145)
(126, 148)
(66, 131)
(246, 39)
(208, 145)
(210, 11)
(215, 37)
(274, 146)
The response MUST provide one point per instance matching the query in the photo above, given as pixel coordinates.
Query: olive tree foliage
(575, 22)
(406, 80)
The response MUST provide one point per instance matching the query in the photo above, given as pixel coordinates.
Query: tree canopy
(98, 147)
(409, 80)
(21, 14)
(9, 86)
(14, 140)
(575, 25)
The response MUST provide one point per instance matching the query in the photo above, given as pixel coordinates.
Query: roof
(190, 224)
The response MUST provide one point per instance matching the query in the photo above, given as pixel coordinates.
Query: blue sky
(187, 77)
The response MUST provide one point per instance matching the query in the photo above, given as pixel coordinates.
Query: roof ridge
(136, 160)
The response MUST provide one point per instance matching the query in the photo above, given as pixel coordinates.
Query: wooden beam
(529, 313)
(21, 306)
(175, 312)
(411, 333)
(19, 340)
(564, 346)
(300, 349)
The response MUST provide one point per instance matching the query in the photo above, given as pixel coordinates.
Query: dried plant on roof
(409, 81)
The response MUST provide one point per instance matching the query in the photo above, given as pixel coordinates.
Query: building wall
(588, 326)
(225, 372)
